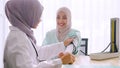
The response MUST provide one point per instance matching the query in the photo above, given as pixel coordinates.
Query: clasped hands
(67, 58)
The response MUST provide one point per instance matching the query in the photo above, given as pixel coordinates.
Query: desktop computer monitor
(115, 29)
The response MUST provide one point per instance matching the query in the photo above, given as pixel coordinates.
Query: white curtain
(90, 17)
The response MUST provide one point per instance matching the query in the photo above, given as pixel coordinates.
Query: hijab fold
(24, 14)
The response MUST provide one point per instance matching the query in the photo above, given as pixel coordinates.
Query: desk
(86, 62)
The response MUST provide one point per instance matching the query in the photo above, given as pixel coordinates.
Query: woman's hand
(67, 58)
(68, 41)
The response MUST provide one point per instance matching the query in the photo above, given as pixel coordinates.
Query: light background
(90, 17)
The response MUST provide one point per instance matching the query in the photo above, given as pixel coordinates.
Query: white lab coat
(19, 52)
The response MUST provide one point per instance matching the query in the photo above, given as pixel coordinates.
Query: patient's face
(61, 20)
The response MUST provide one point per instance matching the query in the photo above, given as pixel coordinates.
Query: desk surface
(86, 62)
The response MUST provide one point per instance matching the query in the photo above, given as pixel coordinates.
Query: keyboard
(104, 55)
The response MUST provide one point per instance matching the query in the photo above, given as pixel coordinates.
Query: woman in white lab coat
(20, 49)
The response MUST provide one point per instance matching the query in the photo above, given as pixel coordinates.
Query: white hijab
(62, 33)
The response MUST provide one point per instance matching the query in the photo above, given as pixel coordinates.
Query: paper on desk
(48, 52)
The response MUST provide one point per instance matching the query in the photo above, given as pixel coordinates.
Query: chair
(84, 46)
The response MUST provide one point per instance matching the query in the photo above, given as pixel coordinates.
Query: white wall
(2, 33)
(3, 30)
(1, 39)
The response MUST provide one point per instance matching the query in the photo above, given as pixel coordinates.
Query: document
(51, 51)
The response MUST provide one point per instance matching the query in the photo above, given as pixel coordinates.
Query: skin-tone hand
(68, 41)
(67, 58)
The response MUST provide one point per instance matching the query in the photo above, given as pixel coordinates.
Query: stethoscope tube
(33, 44)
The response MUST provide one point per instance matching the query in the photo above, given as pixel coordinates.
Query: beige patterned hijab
(62, 33)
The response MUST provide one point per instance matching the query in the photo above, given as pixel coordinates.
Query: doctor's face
(61, 20)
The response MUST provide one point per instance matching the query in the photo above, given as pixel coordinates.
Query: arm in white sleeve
(22, 58)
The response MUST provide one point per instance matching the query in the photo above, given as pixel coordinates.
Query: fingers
(68, 41)
(72, 59)
(69, 58)
(60, 54)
